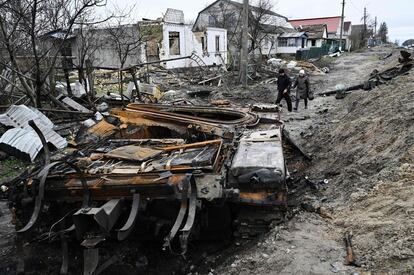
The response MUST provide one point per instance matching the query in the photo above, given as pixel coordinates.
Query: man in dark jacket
(283, 87)
(302, 89)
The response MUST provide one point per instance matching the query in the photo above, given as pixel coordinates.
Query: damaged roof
(315, 31)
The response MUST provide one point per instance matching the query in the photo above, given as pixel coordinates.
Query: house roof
(314, 31)
(347, 25)
(58, 34)
(332, 23)
(293, 34)
(240, 5)
(266, 28)
(254, 8)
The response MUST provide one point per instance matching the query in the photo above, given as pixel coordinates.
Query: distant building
(227, 14)
(362, 36)
(333, 24)
(317, 34)
(156, 40)
(177, 39)
(289, 43)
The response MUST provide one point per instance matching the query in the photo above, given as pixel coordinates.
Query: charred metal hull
(130, 180)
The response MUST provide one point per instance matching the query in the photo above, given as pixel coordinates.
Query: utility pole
(342, 25)
(364, 32)
(365, 21)
(244, 44)
(375, 27)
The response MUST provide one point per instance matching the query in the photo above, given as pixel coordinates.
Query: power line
(355, 7)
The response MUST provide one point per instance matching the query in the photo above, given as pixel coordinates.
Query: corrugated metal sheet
(23, 137)
(18, 116)
(25, 141)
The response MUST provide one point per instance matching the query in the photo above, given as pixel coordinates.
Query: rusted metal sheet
(102, 129)
(213, 115)
(217, 121)
(133, 153)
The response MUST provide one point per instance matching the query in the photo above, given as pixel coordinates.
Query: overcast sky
(398, 14)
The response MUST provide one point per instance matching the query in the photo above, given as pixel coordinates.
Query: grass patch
(11, 167)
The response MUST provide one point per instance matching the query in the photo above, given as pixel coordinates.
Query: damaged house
(113, 47)
(156, 40)
(317, 34)
(264, 28)
(175, 39)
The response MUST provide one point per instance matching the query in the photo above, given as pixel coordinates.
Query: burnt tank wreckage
(177, 173)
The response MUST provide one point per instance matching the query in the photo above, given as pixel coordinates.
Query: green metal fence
(313, 52)
(330, 46)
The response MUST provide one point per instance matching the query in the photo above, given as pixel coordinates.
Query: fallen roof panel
(20, 115)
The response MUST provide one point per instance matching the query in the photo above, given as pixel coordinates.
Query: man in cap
(302, 89)
(283, 87)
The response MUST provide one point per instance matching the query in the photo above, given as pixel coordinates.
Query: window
(217, 43)
(283, 42)
(313, 41)
(204, 44)
(292, 42)
(174, 43)
(211, 21)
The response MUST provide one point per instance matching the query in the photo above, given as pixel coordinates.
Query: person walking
(283, 87)
(302, 89)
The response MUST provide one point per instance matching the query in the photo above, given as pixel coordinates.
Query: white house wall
(287, 50)
(165, 49)
(319, 42)
(189, 44)
(269, 45)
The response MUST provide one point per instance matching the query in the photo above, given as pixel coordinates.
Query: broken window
(217, 43)
(174, 43)
(204, 44)
(313, 41)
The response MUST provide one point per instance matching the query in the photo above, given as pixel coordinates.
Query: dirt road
(363, 145)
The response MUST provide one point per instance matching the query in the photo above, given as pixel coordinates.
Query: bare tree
(262, 22)
(127, 39)
(261, 17)
(23, 24)
(226, 16)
